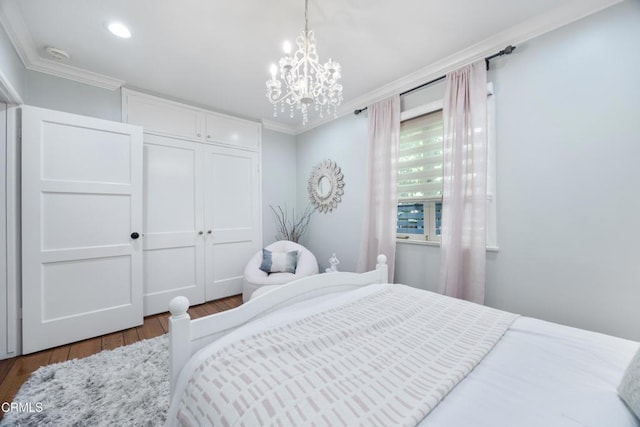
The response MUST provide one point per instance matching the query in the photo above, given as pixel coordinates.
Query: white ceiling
(217, 53)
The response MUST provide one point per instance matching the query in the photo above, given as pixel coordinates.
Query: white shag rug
(127, 386)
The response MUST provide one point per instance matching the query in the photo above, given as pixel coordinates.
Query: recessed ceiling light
(119, 29)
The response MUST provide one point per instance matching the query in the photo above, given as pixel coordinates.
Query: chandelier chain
(306, 16)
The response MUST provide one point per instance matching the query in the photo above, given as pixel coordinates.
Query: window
(420, 172)
(420, 177)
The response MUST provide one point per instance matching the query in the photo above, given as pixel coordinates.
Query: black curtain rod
(506, 51)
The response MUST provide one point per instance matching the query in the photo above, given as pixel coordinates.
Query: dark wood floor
(15, 371)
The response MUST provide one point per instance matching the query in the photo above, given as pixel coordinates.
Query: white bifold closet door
(173, 222)
(202, 220)
(232, 217)
(81, 227)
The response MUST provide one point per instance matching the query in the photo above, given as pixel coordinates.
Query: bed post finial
(179, 337)
(178, 307)
(382, 268)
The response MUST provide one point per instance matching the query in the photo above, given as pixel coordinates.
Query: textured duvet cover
(384, 359)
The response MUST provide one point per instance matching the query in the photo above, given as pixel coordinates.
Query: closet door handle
(135, 235)
(200, 232)
(209, 231)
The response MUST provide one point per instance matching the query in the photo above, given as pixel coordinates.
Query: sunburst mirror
(326, 186)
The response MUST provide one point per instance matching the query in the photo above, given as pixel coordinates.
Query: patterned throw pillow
(279, 262)
(629, 388)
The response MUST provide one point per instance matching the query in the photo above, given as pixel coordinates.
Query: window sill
(437, 244)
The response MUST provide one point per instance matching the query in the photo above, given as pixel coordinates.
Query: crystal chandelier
(305, 80)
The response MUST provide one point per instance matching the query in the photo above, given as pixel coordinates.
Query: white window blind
(420, 177)
(420, 159)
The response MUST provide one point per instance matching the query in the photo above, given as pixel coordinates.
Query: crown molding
(76, 74)
(527, 30)
(279, 127)
(16, 29)
(8, 92)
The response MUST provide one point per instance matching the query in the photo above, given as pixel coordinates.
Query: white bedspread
(385, 359)
(542, 374)
(539, 374)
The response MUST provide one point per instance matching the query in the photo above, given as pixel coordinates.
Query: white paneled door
(81, 227)
(174, 231)
(232, 217)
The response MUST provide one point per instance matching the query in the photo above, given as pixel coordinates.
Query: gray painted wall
(568, 143)
(47, 91)
(11, 66)
(278, 178)
(344, 141)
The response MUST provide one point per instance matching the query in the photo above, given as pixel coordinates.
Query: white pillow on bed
(629, 388)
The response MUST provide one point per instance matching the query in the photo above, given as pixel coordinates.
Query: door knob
(135, 235)
(201, 232)
(209, 231)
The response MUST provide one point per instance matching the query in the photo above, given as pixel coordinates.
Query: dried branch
(291, 227)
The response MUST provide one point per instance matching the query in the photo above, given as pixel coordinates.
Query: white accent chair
(254, 278)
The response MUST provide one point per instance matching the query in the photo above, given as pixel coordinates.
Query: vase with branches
(291, 226)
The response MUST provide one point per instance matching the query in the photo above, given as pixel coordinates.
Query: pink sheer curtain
(463, 239)
(379, 225)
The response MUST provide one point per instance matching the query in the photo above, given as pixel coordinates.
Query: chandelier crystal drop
(299, 80)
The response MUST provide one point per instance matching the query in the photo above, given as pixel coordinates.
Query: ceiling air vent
(57, 54)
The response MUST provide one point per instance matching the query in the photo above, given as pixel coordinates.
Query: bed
(350, 349)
